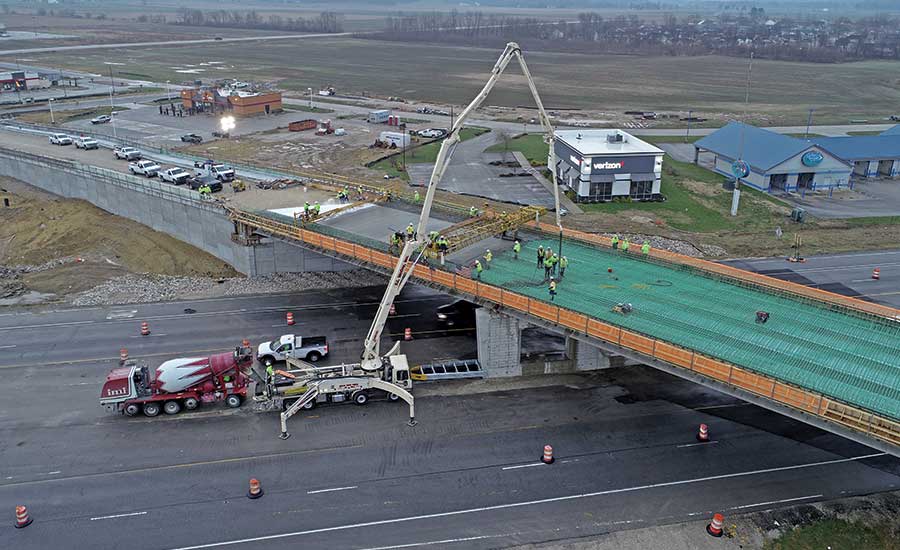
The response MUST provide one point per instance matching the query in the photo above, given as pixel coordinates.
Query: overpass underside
(824, 359)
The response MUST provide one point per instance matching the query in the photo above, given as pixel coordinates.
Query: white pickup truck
(219, 171)
(311, 348)
(127, 153)
(177, 176)
(145, 167)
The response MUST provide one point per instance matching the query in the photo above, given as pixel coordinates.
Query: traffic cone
(393, 310)
(703, 434)
(123, 355)
(22, 517)
(255, 490)
(290, 318)
(407, 334)
(876, 273)
(547, 458)
(145, 328)
(714, 528)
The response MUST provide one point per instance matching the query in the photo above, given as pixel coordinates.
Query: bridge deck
(851, 358)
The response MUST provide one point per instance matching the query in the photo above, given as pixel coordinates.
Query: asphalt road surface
(350, 477)
(847, 274)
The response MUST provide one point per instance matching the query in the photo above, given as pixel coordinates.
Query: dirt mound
(79, 245)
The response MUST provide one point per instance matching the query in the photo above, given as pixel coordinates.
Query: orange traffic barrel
(715, 526)
(145, 328)
(255, 489)
(290, 318)
(22, 517)
(703, 434)
(547, 457)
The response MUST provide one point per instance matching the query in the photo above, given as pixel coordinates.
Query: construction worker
(645, 248)
(316, 208)
(473, 212)
(540, 255)
(270, 376)
(416, 197)
(548, 253)
(410, 232)
(346, 193)
(306, 208)
(548, 266)
(488, 256)
(554, 261)
(443, 244)
(552, 289)
(517, 247)
(625, 244)
(563, 264)
(395, 242)
(359, 192)
(478, 269)
(615, 242)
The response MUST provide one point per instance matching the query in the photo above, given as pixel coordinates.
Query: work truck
(144, 167)
(214, 169)
(311, 348)
(177, 384)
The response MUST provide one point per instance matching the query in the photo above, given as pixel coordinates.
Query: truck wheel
(361, 398)
(393, 397)
(191, 403)
(151, 409)
(313, 356)
(132, 409)
(172, 407)
(233, 401)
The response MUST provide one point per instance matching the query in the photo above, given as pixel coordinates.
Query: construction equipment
(382, 372)
(238, 185)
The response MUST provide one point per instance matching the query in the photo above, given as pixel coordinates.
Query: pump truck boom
(374, 370)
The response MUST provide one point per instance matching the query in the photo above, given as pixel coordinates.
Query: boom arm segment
(371, 359)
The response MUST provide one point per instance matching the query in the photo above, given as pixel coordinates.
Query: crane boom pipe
(404, 268)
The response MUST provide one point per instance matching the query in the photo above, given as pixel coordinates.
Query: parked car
(219, 134)
(197, 182)
(432, 133)
(127, 153)
(144, 167)
(191, 138)
(60, 139)
(85, 142)
(102, 119)
(178, 176)
(457, 315)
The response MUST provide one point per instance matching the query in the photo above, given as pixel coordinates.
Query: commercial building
(773, 162)
(236, 102)
(22, 80)
(871, 156)
(600, 165)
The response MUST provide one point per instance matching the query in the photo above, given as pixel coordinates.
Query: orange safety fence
(734, 273)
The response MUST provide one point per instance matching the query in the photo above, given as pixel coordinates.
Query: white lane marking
(523, 466)
(782, 501)
(49, 325)
(147, 335)
(53, 473)
(405, 315)
(713, 442)
(122, 314)
(525, 503)
(331, 490)
(863, 280)
(7, 347)
(119, 516)
(432, 543)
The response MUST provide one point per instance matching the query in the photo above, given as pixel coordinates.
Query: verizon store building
(600, 165)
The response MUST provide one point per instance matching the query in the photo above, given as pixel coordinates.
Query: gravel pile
(130, 289)
(672, 245)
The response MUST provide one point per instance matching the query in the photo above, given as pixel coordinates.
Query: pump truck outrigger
(377, 372)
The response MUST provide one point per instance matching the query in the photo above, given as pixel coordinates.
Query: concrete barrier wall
(173, 210)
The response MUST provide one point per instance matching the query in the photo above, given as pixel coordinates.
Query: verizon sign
(608, 165)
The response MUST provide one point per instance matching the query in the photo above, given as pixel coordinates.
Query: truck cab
(310, 348)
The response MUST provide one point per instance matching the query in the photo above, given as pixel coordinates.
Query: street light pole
(168, 92)
(52, 119)
(809, 122)
(310, 98)
(687, 134)
(112, 108)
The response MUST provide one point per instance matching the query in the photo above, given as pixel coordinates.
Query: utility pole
(310, 98)
(451, 120)
(749, 74)
(168, 92)
(112, 111)
(809, 122)
(52, 119)
(112, 83)
(687, 134)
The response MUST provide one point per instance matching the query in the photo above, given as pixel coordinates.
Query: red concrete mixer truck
(178, 384)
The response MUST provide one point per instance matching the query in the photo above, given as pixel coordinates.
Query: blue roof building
(773, 162)
(871, 156)
(895, 131)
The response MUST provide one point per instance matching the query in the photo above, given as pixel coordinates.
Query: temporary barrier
(407, 334)
(715, 526)
(703, 433)
(145, 328)
(547, 457)
(22, 517)
(255, 489)
(290, 318)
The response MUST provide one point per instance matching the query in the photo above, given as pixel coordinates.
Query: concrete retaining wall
(173, 210)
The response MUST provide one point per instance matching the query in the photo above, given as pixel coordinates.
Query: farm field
(710, 84)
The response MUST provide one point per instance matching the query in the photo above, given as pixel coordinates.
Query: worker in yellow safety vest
(552, 289)
(645, 248)
(615, 242)
(473, 212)
(317, 207)
(625, 244)
(517, 247)
(488, 256)
(478, 269)
(416, 197)
(563, 264)
(540, 255)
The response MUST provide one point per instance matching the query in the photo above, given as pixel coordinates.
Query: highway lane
(85, 335)
(849, 274)
(624, 440)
